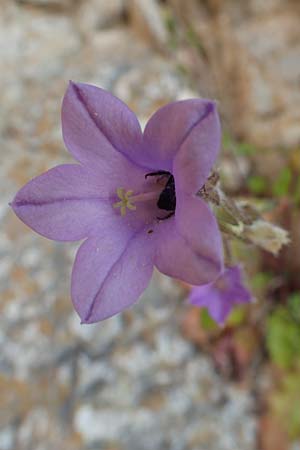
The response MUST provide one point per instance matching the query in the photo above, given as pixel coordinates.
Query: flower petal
(220, 296)
(207, 297)
(96, 125)
(110, 273)
(189, 245)
(219, 309)
(237, 291)
(189, 124)
(63, 204)
(203, 295)
(198, 152)
(197, 223)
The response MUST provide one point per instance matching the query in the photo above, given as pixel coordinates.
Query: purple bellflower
(221, 295)
(131, 197)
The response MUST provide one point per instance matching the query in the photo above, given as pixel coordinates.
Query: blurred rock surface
(146, 18)
(94, 15)
(252, 52)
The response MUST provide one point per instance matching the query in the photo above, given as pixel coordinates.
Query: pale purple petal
(198, 225)
(189, 245)
(237, 290)
(197, 154)
(201, 295)
(219, 310)
(96, 125)
(110, 273)
(63, 204)
(176, 258)
(207, 297)
(220, 296)
(190, 126)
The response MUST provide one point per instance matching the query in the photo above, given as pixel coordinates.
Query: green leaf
(171, 27)
(206, 321)
(261, 280)
(297, 192)
(285, 403)
(237, 316)
(257, 184)
(194, 41)
(283, 338)
(241, 148)
(227, 141)
(294, 305)
(281, 186)
(245, 148)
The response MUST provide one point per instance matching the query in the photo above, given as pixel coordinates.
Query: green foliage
(246, 149)
(261, 280)
(171, 27)
(227, 141)
(257, 184)
(283, 333)
(170, 23)
(237, 316)
(194, 41)
(297, 191)
(294, 305)
(206, 321)
(282, 184)
(241, 148)
(285, 402)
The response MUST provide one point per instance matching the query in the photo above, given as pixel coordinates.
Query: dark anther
(159, 172)
(150, 231)
(167, 198)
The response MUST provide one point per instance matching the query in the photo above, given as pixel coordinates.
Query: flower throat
(167, 198)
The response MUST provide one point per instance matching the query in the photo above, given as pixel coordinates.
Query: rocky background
(156, 377)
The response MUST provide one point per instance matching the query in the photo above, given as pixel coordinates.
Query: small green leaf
(241, 148)
(194, 41)
(237, 316)
(171, 27)
(285, 403)
(261, 280)
(245, 148)
(281, 186)
(283, 338)
(257, 184)
(294, 305)
(227, 141)
(206, 321)
(297, 191)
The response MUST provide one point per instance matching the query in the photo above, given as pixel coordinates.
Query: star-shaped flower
(131, 197)
(221, 295)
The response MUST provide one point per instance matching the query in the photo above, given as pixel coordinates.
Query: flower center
(166, 199)
(127, 200)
